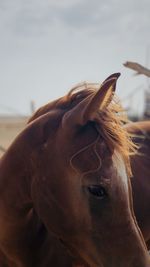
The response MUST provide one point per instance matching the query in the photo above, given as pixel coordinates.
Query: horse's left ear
(87, 108)
(104, 95)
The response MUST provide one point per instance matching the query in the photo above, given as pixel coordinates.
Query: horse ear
(87, 108)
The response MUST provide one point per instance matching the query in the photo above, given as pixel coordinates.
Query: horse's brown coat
(49, 215)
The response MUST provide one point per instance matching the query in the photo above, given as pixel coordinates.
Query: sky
(47, 46)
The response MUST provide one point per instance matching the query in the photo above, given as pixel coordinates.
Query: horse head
(81, 186)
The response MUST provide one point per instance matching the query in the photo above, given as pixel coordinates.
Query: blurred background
(48, 46)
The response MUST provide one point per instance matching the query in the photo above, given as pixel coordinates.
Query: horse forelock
(109, 122)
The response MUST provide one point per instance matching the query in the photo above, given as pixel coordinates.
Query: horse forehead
(91, 156)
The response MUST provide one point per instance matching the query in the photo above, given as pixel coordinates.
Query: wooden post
(138, 68)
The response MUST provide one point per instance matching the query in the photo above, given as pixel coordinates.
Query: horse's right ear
(97, 101)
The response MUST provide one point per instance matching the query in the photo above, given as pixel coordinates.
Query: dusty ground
(10, 127)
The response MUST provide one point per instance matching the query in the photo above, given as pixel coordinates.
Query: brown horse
(140, 163)
(64, 187)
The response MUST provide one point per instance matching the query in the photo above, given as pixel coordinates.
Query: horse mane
(109, 122)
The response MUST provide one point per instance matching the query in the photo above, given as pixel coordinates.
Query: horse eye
(97, 191)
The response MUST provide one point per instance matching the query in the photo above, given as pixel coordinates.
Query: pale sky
(47, 46)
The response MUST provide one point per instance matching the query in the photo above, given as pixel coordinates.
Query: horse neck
(16, 202)
(15, 182)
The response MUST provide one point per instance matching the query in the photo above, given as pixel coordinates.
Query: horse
(140, 180)
(140, 164)
(65, 187)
